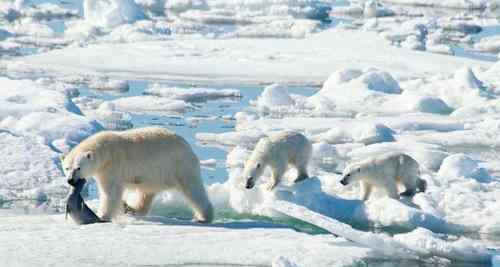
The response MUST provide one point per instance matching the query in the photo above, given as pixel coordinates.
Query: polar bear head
(255, 165)
(352, 173)
(78, 165)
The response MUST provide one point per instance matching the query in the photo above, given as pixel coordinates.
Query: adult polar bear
(278, 151)
(385, 172)
(148, 160)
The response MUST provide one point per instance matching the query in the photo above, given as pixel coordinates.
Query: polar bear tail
(422, 185)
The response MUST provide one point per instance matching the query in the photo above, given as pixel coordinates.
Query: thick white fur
(384, 172)
(147, 160)
(277, 152)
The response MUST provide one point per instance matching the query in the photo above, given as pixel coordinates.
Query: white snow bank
(151, 104)
(274, 95)
(460, 165)
(461, 250)
(245, 139)
(273, 60)
(27, 162)
(379, 242)
(111, 13)
(169, 242)
(371, 79)
(462, 89)
(37, 121)
(194, 94)
(371, 91)
(419, 244)
(35, 108)
(310, 9)
(365, 133)
(106, 84)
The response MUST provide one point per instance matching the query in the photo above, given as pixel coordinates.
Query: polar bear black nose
(250, 183)
(72, 181)
(344, 181)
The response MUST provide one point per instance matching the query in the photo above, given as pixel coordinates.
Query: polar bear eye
(78, 168)
(359, 170)
(258, 165)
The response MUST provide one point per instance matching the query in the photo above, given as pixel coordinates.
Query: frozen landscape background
(357, 78)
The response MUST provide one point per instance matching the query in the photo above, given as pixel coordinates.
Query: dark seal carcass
(77, 208)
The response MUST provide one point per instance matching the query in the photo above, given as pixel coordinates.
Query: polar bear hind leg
(198, 200)
(302, 162)
(392, 190)
(301, 173)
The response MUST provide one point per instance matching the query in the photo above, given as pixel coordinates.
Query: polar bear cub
(145, 160)
(385, 172)
(277, 152)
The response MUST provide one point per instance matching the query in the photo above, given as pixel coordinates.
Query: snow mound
(410, 102)
(274, 95)
(106, 84)
(111, 13)
(341, 76)
(460, 165)
(380, 81)
(372, 79)
(365, 133)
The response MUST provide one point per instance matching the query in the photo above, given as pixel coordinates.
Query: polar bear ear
(62, 157)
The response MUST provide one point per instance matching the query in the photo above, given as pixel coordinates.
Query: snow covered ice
(358, 78)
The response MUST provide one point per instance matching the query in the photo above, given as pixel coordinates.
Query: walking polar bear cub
(147, 160)
(277, 152)
(385, 172)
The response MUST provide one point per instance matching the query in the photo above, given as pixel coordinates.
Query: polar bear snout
(250, 183)
(345, 179)
(73, 178)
